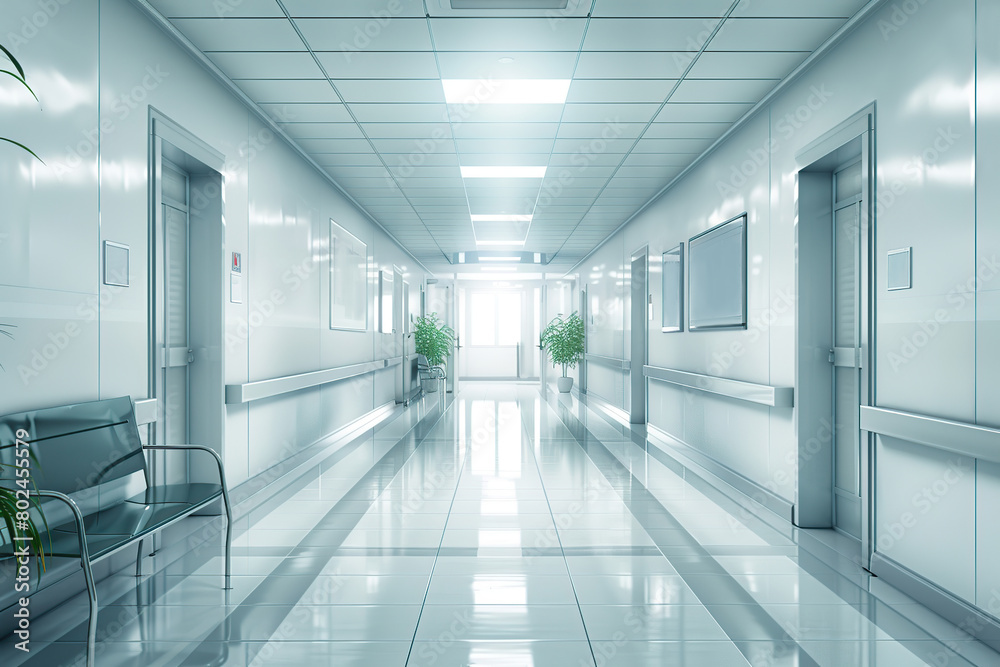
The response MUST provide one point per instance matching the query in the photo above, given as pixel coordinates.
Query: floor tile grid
(614, 647)
(916, 631)
(562, 548)
(491, 647)
(457, 405)
(732, 618)
(369, 489)
(885, 643)
(916, 640)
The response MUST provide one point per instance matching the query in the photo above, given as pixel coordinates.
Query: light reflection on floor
(502, 540)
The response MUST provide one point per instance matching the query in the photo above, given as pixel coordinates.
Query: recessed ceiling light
(503, 172)
(499, 259)
(500, 218)
(506, 91)
(506, 60)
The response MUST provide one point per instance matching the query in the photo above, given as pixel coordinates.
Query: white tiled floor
(512, 544)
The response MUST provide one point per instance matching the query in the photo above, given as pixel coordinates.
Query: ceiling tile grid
(652, 84)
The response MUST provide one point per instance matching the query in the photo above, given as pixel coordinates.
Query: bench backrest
(76, 446)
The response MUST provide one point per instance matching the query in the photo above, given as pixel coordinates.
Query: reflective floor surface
(518, 531)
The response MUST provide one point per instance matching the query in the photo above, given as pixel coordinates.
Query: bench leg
(88, 575)
(138, 560)
(229, 537)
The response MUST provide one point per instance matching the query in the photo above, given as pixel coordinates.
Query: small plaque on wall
(900, 269)
(235, 288)
(116, 264)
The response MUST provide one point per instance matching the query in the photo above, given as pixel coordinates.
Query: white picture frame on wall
(717, 277)
(673, 290)
(348, 280)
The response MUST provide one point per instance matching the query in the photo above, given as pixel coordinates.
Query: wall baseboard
(265, 484)
(674, 453)
(610, 409)
(749, 494)
(968, 618)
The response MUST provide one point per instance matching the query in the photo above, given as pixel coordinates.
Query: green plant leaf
(11, 141)
(434, 339)
(17, 65)
(21, 81)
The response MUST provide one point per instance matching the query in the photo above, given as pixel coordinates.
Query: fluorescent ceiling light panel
(509, 4)
(501, 218)
(499, 259)
(503, 172)
(506, 91)
(501, 233)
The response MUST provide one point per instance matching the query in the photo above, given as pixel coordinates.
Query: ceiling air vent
(509, 4)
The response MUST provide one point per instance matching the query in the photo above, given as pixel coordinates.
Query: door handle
(847, 357)
(175, 357)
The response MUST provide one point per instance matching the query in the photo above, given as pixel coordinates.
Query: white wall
(919, 65)
(96, 68)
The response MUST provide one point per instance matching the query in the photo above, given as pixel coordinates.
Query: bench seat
(142, 514)
(185, 494)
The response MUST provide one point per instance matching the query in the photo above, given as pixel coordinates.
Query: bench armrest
(225, 492)
(218, 459)
(81, 532)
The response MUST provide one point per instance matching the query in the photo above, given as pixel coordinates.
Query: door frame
(398, 332)
(815, 492)
(587, 323)
(543, 357)
(205, 168)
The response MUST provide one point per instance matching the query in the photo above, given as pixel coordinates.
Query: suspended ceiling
(358, 85)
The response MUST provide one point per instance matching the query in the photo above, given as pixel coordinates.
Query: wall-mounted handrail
(255, 391)
(614, 362)
(762, 394)
(979, 442)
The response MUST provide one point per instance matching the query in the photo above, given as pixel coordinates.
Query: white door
(848, 318)
(174, 353)
(640, 313)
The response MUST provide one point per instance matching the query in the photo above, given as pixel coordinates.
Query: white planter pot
(565, 385)
(430, 385)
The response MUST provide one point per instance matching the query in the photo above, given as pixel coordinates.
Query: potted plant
(435, 340)
(16, 515)
(563, 339)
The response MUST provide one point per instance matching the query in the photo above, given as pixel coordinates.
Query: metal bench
(78, 448)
